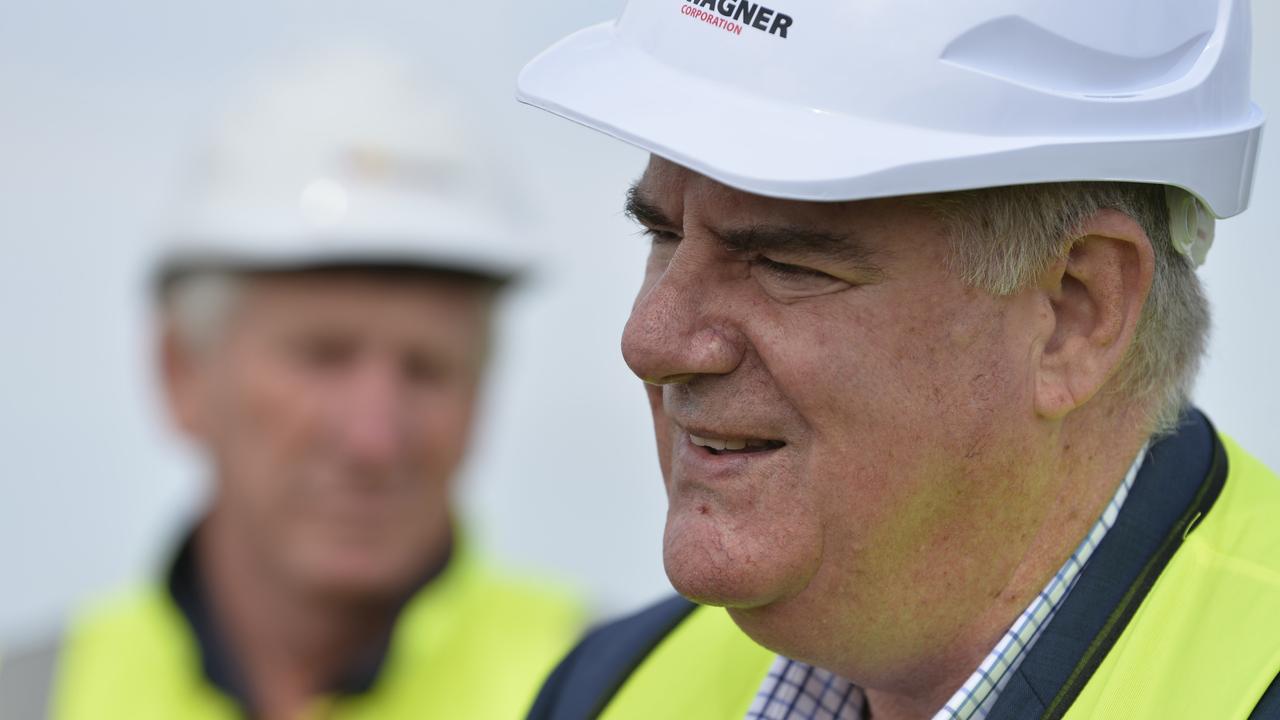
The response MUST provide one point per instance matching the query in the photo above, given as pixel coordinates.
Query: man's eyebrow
(763, 238)
(645, 211)
(804, 241)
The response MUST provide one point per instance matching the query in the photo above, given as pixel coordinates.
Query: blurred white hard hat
(343, 159)
(823, 100)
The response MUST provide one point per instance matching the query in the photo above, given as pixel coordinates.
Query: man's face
(335, 408)
(875, 413)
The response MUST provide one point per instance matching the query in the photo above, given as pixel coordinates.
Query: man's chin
(354, 585)
(718, 592)
(710, 568)
(356, 575)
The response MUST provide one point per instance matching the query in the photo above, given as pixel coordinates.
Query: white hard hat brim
(215, 255)
(430, 233)
(776, 149)
(245, 253)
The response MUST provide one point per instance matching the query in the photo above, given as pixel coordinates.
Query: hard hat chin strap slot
(1191, 225)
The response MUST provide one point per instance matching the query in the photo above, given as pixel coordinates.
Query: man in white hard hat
(326, 310)
(918, 327)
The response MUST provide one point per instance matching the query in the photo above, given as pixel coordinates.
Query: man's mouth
(734, 445)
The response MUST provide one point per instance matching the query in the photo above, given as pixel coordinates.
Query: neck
(1089, 470)
(289, 643)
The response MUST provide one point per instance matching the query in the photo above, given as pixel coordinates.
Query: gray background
(99, 102)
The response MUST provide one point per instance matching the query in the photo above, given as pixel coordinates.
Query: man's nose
(371, 425)
(680, 326)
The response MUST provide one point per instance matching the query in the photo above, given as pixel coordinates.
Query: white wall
(98, 102)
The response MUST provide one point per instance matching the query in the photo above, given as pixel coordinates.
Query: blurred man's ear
(181, 377)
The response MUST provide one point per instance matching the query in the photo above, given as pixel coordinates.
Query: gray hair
(1003, 238)
(198, 305)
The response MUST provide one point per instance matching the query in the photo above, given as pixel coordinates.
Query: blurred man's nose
(372, 421)
(678, 328)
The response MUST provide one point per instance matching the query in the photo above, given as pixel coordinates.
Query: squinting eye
(784, 270)
(785, 281)
(660, 236)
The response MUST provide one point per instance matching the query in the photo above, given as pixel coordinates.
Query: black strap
(588, 678)
(1268, 708)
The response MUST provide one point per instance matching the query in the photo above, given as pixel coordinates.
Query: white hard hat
(823, 100)
(346, 158)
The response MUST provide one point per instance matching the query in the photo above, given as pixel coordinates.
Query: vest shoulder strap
(1269, 706)
(587, 679)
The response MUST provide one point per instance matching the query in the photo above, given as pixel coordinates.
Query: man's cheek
(663, 429)
(664, 434)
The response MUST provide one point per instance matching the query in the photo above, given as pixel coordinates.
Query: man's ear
(181, 376)
(1097, 294)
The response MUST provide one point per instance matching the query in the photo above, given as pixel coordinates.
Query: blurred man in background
(326, 311)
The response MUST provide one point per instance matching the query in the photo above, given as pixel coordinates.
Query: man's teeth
(734, 444)
(718, 444)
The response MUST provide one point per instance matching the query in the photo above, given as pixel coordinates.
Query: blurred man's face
(841, 422)
(336, 408)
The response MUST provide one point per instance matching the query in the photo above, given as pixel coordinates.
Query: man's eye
(660, 236)
(785, 281)
(324, 353)
(791, 272)
(426, 369)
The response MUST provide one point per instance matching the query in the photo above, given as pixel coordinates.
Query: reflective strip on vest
(26, 682)
(1205, 643)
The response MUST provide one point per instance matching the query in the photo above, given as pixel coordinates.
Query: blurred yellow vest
(469, 645)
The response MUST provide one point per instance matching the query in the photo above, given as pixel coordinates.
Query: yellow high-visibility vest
(471, 644)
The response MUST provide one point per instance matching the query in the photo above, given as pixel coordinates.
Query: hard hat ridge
(873, 99)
